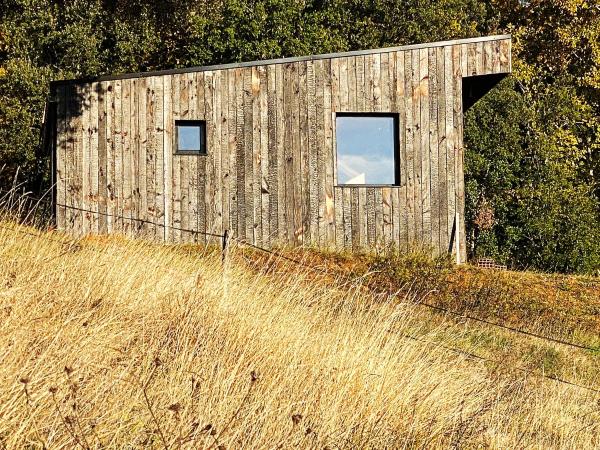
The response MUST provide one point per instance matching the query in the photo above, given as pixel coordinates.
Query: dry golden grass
(111, 343)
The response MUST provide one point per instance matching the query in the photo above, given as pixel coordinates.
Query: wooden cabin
(351, 150)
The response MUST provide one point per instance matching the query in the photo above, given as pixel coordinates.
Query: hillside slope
(110, 342)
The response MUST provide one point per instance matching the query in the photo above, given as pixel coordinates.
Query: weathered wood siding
(270, 173)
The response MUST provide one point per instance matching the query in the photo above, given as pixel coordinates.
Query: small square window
(190, 136)
(367, 149)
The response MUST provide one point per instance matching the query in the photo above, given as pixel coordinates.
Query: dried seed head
(68, 420)
(52, 389)
(68, 370)
(175, 407)
(207, 427)
(253, 376)
(296, 418)
(24, 380)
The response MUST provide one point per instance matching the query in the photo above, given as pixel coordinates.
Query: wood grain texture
(62, 166)
(102, 166)
(270, 172)
(434, 150)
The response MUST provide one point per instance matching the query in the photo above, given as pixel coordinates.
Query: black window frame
(396, 118)
(202, 151)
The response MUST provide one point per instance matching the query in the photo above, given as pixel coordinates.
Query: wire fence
(226, 239)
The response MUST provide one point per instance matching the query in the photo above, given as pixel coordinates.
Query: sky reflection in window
(365, 149)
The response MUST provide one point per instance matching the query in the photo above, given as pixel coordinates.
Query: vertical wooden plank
(403, 106)
(304, 236)
(359, 62)
(343, 85)
(312, 182)
(458, 152)
(227, 146)
(392, 82)
(62, 136)
(136, 177)
(128, 144)
(355, 217)
(215, 156)
(151, 147)
(248, 185)
(397, 212)
(210, 180)
(379, 226)
(425, 152)
(371, 219)
(109, 100)
(297, 230)
(351, 80)
(142, 156)
(191, 164)
(168, 137)
(327, 163)
(385, 82)
(232, 150)
(450, 136)
(282, 149)
(159, 138)
(369, 84)
(68, 130)
(472, 59)
(118, 156)
(338, 198)
(182, 162)
(264, 156)
(442, 150)
(410, 159)
(488, 59)
(93, 199)
(433, 150)
(102, 142)
(82, 174)
(362, 218)
(273, 116)
(505, 55)
(347, 208)
(201, 191)
(77, 112)
(85, 168)
(175, 174)
(256, 162)
(495, 57)
(464, 50)
(480, 58)
(417, 148)
(386, 194)
(339, 217)
(317, 167)
(376, 74)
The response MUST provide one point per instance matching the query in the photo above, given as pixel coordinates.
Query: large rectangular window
(367, 149)
(190, 137)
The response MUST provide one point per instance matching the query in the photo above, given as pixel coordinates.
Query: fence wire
(226, 239)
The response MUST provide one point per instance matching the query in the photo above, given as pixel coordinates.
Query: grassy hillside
(107, 342)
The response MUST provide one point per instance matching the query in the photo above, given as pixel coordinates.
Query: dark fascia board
(282, 60)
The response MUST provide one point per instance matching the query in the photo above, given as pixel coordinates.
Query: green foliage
(532, 158)
(533, 144)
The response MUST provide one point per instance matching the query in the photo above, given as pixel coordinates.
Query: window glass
(190, 137)
(366, 149)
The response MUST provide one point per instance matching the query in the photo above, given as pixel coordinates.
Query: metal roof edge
(280, 60)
